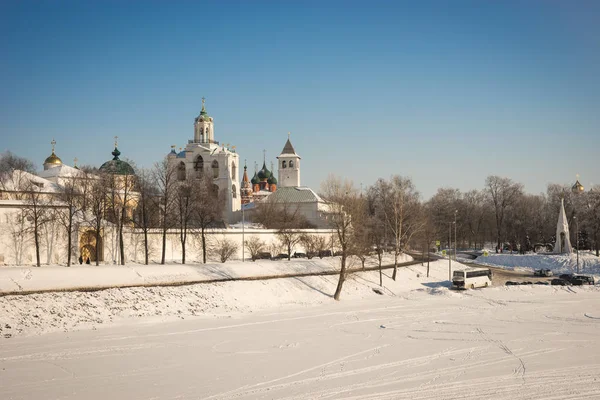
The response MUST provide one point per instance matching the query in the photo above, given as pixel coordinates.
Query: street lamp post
(455, 238)
(449, 255)
(577, 240)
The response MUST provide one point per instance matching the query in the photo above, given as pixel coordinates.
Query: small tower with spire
(203, 127)
(246, 190)
(289, 166)
(563, 242)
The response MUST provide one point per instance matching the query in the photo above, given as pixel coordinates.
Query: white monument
(563, 243)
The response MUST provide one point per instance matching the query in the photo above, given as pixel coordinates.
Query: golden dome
(53, 159)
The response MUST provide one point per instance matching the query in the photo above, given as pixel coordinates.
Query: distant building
(288, 193)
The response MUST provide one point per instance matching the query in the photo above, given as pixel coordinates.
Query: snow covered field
(288, 339)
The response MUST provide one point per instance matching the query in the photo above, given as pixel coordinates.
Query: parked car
(527, 283)
(299, 255)
(280, 256)
(324, 253)
(566, 277)
(583, 280)
(263, 255)
(559, 282)
(543, 272)
(511, 283)
(541, 283)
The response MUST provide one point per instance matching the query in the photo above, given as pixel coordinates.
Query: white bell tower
(289, 166)
(203, 127)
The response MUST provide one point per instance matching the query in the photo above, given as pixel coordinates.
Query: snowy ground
(288, 339)
(47, 312)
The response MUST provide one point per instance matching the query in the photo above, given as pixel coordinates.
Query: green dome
(254, 179)
(116, 166)
(264, 173)
(272, 180)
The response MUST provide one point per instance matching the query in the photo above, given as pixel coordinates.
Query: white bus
(471, 278)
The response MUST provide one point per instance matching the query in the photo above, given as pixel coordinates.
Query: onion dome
(272, 180)
(172, 153)
(203, 114)
(53, 160)
(181, 154)
(577, 187)
(117, 166)
(255, 179)
(264, 173)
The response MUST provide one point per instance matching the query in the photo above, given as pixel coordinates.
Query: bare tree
(96, 204)
(361, 221)
(119, 204)
(399, 204)
(36, 210)
(313, 244)
(225, 248)
(165, 175)
(71, 193)
(474, 213)
(17, 227)
(184, 199)
(593, 215)
(11, 162)
(427, 234)
(208, 208)
(342, 200)
(254, 246)
(503, 194)
(147, 212)
(12, 180)
(288, 220)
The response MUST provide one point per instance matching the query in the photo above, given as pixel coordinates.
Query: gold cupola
(577, 187)
(53, 160)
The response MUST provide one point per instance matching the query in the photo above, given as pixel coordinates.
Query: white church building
(204, 155)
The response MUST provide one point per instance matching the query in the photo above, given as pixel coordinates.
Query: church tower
(289, 166)
(246, 191)
(203, 127)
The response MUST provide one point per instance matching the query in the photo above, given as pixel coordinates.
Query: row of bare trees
(502, 213)
(391, 216)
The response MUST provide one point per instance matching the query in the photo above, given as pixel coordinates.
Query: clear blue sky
(445, 92)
